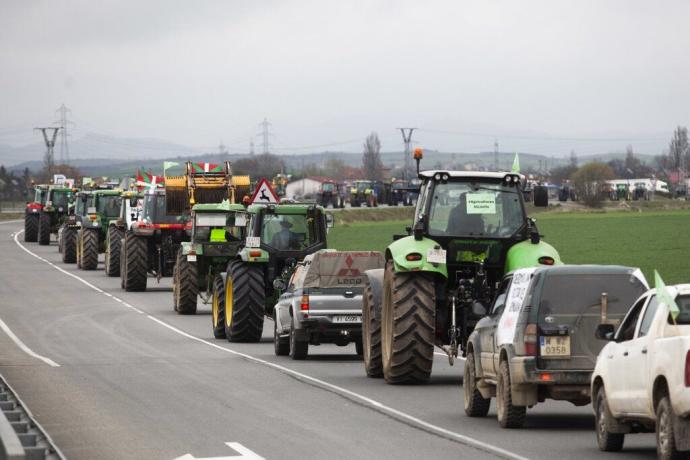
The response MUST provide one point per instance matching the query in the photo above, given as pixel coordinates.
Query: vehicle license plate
(191, 258)
(555, 346)
(347, 319)
(436, 256)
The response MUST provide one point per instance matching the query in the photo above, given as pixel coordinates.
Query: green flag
(169, 164)
(664, 296)
(516, 164)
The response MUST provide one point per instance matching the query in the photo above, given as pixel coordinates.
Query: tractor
(469, 230)
(69, 230)
(217, 233)
(32, 213)
(401, 192)
(130, 207)
(279, 184)
(151, 243)
(98, 208)
(362, 192)
(277, 237)
(330, 194)
(58, 200)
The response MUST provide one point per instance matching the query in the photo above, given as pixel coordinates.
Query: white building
(303, 187)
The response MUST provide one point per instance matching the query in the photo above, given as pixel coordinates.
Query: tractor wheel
(89, 249)
(407, 326)
(30, 228)
(244, 302)
(371, 330)
(136, 262)
(541, 196)
(281, 345)
(69, 245)
(44, 229)
(218, 308)
(112, 251)
(509, 416)
(475, 404)
(78, 250)
(185, 285)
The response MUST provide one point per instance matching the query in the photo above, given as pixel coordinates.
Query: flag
(206, 167)
(169, 164)
(516, 164)
(664, 296)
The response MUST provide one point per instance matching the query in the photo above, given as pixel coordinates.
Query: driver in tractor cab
(285, 238)
(472, 224)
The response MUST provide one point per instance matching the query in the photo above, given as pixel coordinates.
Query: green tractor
(278, 236)
(151, 243)
(69, 230)
(469, 229)
(58, 200)
(98, 208)
(32, 213)
(130, 205)
(363, 192)
(218, 232)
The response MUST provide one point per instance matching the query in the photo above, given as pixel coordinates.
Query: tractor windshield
(61, 198)
(109, 205)
(363, 186)
(288, 232)
(155, 210)
(477, 209)
(328, 187)
(217, 228)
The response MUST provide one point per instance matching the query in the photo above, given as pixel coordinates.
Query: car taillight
(687, 369)
(304, 305)
(531, 340)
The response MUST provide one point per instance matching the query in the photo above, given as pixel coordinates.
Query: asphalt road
(120, 375)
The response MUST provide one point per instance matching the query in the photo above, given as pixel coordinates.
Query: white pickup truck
(641, 382)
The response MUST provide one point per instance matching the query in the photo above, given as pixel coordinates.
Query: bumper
(534, 385)
(321, 329)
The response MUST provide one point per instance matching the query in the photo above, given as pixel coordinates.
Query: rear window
(574, 294)
(683, 302)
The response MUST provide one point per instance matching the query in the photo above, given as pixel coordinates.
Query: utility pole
(222, 149)
(496, 162)
(407, 139)
(63, 122)
(265, 134)
(251, 146)
(49, 158)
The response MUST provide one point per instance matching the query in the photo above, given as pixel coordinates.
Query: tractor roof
(224, 206)
(292, 208)
(107, 192)
(132, 193)
(469, 174)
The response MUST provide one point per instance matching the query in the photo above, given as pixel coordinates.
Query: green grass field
(649, 240)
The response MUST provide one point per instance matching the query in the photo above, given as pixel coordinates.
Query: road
(120, 375)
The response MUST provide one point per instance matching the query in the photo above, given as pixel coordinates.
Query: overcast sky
(541, 76)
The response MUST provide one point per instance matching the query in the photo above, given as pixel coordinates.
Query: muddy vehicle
(330, 194)
(56, 207)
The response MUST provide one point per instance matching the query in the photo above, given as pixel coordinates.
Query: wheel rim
(228, 302)
(214, 308)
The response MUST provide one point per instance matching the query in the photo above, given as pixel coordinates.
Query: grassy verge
(11, 215)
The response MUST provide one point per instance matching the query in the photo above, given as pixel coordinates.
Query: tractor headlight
(445, 177)
(437, 176)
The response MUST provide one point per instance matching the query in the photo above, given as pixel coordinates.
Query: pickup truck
(641, 382)
(322, 303)
(537, 341)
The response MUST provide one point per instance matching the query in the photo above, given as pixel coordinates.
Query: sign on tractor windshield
(481, 203)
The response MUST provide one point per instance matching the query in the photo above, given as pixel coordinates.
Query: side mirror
(330, 221)
(604, 332)
(279, 284)
(408, 229)
(478, 309)
(418, 230)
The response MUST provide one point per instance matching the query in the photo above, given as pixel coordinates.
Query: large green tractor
(469, 229)
(99, 207)
(69, 230)
(277, 237)
(217, 233)
(129, 212)
(58, 200)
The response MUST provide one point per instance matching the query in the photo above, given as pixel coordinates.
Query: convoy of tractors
(470, 276)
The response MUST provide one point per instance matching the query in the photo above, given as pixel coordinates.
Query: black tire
(475, 404)
(78, 250)
(407, 326)
(665, 437)
(281, 345)
(89, 249)
(30, 228)
(112, 251)
(371, 332)
(607, 441)
(185, 285)
(244, 308)
(44, 229)
(359, 348)
(541, 196)
(136, 262)
(218, 308)
(299, 349)
(69, 245)
(508, 415)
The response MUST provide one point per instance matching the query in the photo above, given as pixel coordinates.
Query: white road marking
(245, 454)
(23, 346)
(344, 392)
(14, 221)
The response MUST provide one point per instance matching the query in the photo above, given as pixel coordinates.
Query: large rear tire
(112, 251)
(371, 330)
(244, 302)
(218, 308)
(185, 285)
(407, 326)
(508, 415)
(475, 404)
(136, 263)
(89, 249)
(541, 196)
(30, 228)
(44, 228)
(69, 245)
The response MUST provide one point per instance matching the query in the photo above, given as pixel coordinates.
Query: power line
(49, 158)
(545, 138)
(265, 134)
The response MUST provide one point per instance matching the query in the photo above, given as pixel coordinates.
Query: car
(537, 340)
(641, 382)
(322, 303)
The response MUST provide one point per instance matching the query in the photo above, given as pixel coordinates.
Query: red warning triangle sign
(264, 194)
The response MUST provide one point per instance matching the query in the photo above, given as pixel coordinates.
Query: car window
(683, 302)
(626, 331)
(649, 313)
(500, 300)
